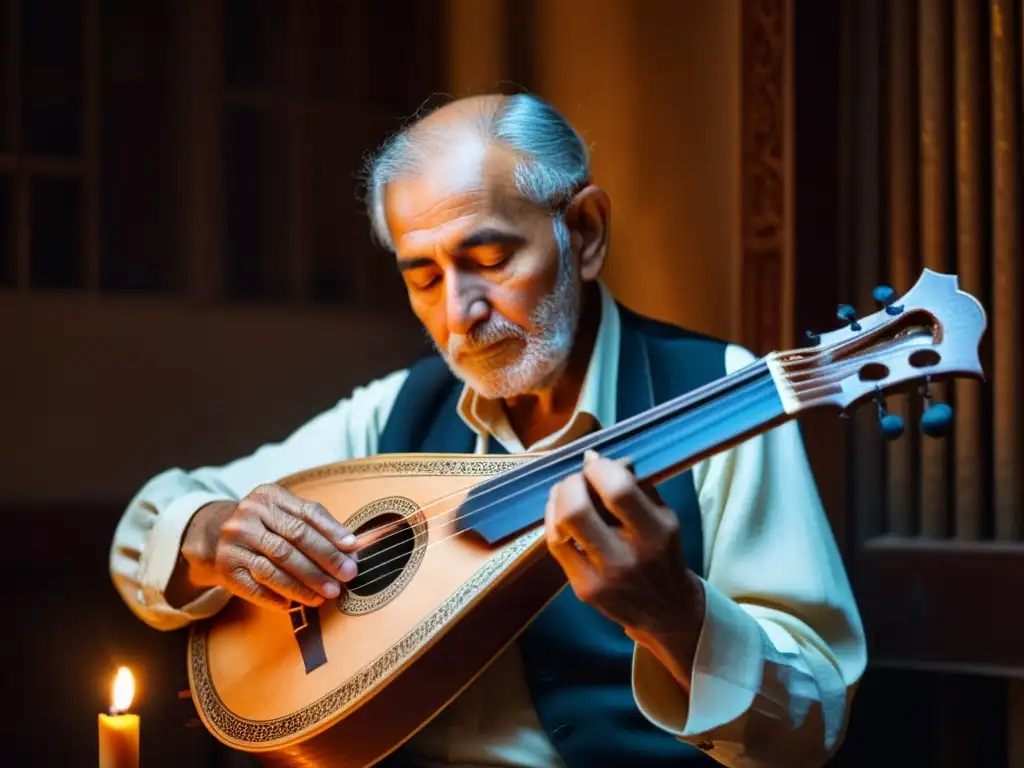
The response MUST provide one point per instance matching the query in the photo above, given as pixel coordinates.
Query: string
(651, 416)
(649, 447)
(859, 360)
(576, 447)
(437, 543)
(844, 367)
(579, 445)
(835, 370)
(812, 360)
(608, 435)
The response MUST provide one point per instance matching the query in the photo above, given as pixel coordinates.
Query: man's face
(485, 275)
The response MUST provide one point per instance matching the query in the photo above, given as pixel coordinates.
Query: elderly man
(726, 633)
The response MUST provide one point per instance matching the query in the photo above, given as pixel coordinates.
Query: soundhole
(383, 562)
(387, 565)
(925, 358)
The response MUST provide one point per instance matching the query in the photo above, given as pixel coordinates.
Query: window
(84, 146)
(45, 146)
(202, 147)
(310, 86)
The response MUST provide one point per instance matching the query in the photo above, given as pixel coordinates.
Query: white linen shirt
(779, 656)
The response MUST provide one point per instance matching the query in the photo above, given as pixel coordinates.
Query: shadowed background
(186, 272)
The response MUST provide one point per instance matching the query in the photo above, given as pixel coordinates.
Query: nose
(465, 302)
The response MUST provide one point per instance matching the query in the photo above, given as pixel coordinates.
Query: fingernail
(590, 455)
(349, 541)
(348, 570)
(331, 589)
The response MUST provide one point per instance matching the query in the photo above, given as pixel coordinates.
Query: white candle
(119, 731)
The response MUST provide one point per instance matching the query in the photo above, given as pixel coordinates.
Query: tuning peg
(937, 420)
(884, 295)
(813, 339)
(848, 315)
(889, 424)
(937, 417)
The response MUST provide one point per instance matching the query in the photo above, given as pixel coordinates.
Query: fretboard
(660, 443)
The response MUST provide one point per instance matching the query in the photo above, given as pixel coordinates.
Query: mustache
(497, 328)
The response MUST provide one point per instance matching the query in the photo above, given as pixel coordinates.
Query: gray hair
(555, 161)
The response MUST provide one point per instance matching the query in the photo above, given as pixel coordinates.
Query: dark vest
(578, 663)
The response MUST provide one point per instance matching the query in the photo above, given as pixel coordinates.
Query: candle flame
(124, 690)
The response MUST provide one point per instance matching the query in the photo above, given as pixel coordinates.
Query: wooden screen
(948, 86)
(932, 177)
(907, 153)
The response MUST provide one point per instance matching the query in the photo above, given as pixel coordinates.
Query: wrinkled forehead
(455, 187)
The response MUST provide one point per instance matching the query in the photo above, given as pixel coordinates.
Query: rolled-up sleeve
(782, 647)
(148, 537)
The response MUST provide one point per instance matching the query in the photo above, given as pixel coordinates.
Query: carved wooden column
(766, 175)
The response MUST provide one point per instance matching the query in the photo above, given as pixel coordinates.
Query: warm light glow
(124, 690)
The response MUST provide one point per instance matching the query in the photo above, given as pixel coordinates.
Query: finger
(620, 493)
(574, 515)
(578, 569)
(651, 491)
(246, 587)
(246, 535)
(264, 571)
(323, 521)
(311, 543)
(290, 558)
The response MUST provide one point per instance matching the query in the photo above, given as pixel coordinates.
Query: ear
(588, 217)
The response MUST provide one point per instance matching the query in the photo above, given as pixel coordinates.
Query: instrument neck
(659, 443)
(675, 435)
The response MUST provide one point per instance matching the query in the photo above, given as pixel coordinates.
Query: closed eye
(494, 263)
(492, 257)
(427, 285)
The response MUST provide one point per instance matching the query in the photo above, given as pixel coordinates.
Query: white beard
(545, 350)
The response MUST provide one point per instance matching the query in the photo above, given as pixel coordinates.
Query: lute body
(455, 563)
(382, 673)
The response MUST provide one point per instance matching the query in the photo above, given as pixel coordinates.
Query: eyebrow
(489, 236)
(405, 265)
(477, 239)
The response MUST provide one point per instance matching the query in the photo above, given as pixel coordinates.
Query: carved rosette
(765, 87)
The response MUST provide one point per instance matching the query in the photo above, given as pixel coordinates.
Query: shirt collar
(594, 409)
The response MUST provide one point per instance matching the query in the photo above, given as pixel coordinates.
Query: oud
(454, 563)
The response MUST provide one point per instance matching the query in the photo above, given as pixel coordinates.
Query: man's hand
(635, 574)
(270, 548)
